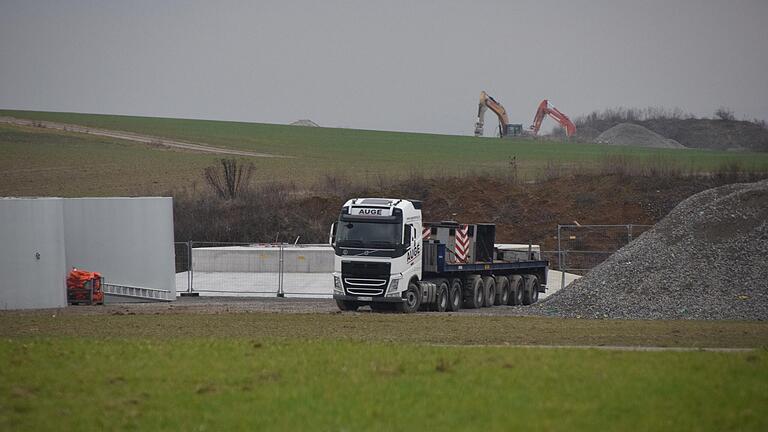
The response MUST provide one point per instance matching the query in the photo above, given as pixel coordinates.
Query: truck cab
(377, 253)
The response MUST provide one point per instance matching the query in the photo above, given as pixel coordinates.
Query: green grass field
(49, 157)
(71, 371)
(242, 384)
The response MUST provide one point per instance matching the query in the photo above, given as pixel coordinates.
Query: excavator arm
(487, 102)
(547, 109)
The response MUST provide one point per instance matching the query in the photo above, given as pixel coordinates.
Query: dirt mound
(705, 260)
(632, 134)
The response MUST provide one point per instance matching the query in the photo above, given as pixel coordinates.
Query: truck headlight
(337, 288)
(392, 290)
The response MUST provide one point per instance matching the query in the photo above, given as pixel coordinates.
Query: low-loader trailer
(386, 257)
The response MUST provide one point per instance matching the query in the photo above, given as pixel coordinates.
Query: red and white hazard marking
(426, 232)
(462, 243)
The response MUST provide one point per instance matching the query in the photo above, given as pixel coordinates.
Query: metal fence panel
(254, 269)
(307, 270)
(183, 262)
(227, 268)
(582, 247)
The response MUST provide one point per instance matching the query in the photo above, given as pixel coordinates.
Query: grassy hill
(37, 161)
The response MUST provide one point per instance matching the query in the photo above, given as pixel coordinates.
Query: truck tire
(515, 290)
(473, 293)
(348, 306)
(442, 298)
(454, 295)
(502, 290)
(536, 288)
(412, 299)
(489, 294)
(531, 294)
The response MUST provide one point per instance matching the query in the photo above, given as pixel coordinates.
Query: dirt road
(279, 318)
(130, 136)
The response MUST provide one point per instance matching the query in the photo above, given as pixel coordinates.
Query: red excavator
(545, 108)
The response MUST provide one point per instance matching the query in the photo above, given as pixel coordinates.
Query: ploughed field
(165, 366)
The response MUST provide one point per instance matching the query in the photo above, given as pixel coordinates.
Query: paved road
(130, 136)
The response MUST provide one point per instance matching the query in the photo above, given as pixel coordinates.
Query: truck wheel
(442, 297)
(531, 294)
(454, 295)
(515, 290)
(412, 299)
(474, 293)
(502, 290)
(347, 305)
(489, 296)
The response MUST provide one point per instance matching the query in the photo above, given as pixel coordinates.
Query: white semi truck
(388, 258)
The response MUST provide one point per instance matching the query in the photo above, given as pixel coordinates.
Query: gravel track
(206, 305)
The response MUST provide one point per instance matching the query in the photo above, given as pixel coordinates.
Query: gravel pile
(636, 135)
(708, 259)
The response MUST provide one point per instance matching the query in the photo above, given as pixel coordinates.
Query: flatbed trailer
(387, 258)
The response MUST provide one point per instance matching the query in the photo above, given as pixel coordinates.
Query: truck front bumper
(377, 299)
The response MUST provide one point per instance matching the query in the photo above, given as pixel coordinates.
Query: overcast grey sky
(391, 65)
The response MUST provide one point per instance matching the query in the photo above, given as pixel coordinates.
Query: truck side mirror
(332, 235)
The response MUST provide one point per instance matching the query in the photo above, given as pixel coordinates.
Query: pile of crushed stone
(708, 259)
(635, 135)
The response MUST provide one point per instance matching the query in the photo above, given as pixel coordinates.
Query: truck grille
(365, 278)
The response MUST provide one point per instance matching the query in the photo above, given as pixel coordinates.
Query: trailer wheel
(442, 298)
(454, 295)
(346, 305)
(515, 290)
(531, 294)
(502, 290)
(489, 294)
(474, 293)
(536, 287)
(412, 299)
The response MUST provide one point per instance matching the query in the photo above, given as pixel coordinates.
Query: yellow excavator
(505, 128)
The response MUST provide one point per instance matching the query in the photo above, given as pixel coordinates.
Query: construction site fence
(580, 248)
(304, 270)
(253, 269)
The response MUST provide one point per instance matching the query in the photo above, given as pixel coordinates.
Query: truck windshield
(368, 234)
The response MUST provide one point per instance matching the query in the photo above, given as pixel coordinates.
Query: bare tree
(724, 113)
(230, 179)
